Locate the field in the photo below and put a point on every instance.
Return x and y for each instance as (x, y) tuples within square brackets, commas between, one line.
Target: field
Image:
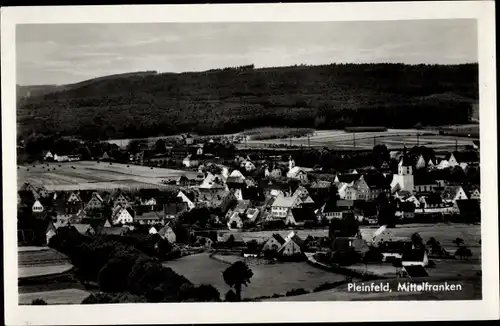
[(276, 133), (392, 138), (93, 175), (267, 280), (66, 296)]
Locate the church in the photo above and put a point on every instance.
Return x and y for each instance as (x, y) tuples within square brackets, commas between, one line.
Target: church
[(404, 179)]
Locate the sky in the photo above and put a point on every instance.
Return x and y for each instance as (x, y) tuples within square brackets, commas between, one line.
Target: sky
[(68, 53)]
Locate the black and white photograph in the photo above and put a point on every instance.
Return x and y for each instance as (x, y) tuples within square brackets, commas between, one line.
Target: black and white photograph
[(236, 162)]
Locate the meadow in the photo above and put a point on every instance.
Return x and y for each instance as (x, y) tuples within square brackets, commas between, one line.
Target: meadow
[(267, 280), (93, 175)]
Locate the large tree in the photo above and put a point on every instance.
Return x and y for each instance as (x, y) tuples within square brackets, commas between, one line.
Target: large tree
[(236, 275)]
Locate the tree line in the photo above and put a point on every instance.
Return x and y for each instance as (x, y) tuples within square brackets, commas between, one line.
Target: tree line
[(231, 100)]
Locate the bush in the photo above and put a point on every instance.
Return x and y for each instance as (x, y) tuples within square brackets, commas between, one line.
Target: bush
[(230, 296), (100, 297), (38, 302), (296, 292)]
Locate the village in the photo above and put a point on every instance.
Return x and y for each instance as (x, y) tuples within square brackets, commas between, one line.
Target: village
[(269, 209)]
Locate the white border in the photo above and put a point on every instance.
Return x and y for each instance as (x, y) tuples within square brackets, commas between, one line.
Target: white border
[(488, 308)]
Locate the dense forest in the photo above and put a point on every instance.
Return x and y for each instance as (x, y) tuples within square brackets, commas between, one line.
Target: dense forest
[(233, 99)]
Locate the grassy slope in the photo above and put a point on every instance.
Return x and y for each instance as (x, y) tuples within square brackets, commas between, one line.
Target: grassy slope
[(148, 104)]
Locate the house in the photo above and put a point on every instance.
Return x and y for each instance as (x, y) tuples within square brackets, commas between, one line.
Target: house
[(282, 205), (454, 193), (182, 181), (475, 193), (432, 201), (149, 218), (273, 244), (114, 230), (414, 271), (297, 173), (221, 200), (150, 203), (377, 184), (252, 214), (235, 221), (107, 224), (320, 187), (332, 210), (168, 233), (420, 163), (381, 235), (406, 210), (424, 183), (346, 243), (463, 158), (274, 172), (37, 207), (212, 183), (236, 174), (415, 257), (301, 216), (84, 229), (188, 199), (191, 161), (348, 178), (242, 206), (48, 156), (117, 198), (443, 164), (122, 215), (304, 196), (172, 207), (152, 230), (249, 165), (50, 232), (293, 246), (95, 202), (181, 152)]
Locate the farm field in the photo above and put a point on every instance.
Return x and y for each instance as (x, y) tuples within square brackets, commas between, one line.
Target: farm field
[(267, 280), (66, 296), (471, 289), (93, 175), (339, 139), (40, 261)]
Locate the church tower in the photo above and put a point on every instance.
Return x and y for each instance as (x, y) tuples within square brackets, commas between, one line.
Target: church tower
[(291, 163), (405, 174)]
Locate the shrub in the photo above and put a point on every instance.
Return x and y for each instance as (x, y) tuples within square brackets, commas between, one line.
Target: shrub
[(230, 296), (38, 302), (100, 297), (296, 292)]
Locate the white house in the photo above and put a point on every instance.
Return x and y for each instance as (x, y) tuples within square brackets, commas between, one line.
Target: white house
[(444, 164), (37, 207), (122, 216), (415, 257), (381, 235), (235, 222), (48, 155), (420, 163), (282, 205), (153, 230), (237, 174), (189, 161), (297, 173)]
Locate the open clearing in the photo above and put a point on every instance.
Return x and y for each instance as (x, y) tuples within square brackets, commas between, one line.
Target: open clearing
[(267, 280), (392, 138), (93, 175), (40, 261)]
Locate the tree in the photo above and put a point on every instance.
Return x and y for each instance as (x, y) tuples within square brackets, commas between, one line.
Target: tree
[(38, 302), (236, 275), (463, 252), (380, 155), (458, 242), (160, 147), (417, 241), (386, 211), (230, 296)]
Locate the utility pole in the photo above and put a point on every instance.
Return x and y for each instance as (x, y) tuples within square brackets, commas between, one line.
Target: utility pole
[(418, 139), (290, 141), (374, 141), (456, 145), (309, 141), (354, 139)]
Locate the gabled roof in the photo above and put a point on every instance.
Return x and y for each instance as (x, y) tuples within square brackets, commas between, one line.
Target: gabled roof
[(348, 178), (343, 203), (238, 180), (414, 255), (151, 215), (114, 230), (164, 230), (424, 179), (433, 199), (416, 271), (321, 184), (82, 228), (278, 238), (376, 181), (465, 157), (283, 201), (451, 192), (302, 214), (242, 205)]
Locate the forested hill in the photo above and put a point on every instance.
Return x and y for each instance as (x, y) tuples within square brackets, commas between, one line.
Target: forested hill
[(232, 99)]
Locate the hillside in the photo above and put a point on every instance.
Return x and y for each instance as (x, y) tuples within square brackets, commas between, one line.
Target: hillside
[(232, 99)]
